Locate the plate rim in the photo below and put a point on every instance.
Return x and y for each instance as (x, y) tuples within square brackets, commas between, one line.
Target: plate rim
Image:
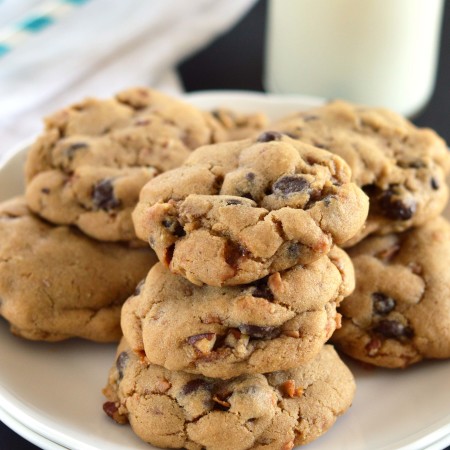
[(27, 433)]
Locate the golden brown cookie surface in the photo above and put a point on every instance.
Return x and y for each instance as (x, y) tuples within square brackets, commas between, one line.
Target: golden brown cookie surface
[(57, 283), (237, 211), (399, 313), (272, 412), (276, 323), (89, 165), (400, 167)]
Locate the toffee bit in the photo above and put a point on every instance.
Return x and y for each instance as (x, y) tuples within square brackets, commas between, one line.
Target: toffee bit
[(288, 388)]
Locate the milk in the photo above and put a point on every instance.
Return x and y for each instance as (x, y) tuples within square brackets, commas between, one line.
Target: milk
[(374, 52)]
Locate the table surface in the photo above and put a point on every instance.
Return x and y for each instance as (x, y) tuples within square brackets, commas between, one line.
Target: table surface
[(235, 61)]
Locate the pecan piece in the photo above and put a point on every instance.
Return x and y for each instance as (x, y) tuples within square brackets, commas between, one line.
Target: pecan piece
[(221, 402), (162, 386), (202, 343), (112, 410)]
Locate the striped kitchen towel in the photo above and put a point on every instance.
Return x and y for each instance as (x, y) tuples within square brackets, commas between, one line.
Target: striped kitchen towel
[(59, 51)]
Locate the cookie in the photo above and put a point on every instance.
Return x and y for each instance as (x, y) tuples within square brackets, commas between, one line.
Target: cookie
[(89, 165), (274, 411), (240, 126), (236, 212), (276, 323), (400, 167), (399, 313), (57, 283)]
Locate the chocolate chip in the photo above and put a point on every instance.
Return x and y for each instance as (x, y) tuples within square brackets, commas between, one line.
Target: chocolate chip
[(269, 136), (418, 164), (320, 145), (394, 208), (72, 149), (370, 190), (310, 117), (293, 250), (290, 184), (262, 290), (434, 184), (393, 329), (397, 210), (382, 304), (258, 332), (247, 195), (121, 363), (103, 195), (233, 253), (195, 385), (217, 184), (45, 190), (250, 176), (174, 227), (233, 202), (327, 200)]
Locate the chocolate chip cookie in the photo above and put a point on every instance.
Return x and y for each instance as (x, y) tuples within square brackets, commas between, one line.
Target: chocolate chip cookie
[(274, 411), (57, 283), (400, 167), (238, 211), (399, 313), (89, 165), (275, 323)]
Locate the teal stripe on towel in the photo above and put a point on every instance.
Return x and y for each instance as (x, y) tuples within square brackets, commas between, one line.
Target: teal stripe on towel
[(76, 2), (36, 24), (4, 49)]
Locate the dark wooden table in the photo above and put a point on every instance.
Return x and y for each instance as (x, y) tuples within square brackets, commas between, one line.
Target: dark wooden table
[(235, 61)]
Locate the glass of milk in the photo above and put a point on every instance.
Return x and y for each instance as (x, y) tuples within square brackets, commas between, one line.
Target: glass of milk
[(373, 52)]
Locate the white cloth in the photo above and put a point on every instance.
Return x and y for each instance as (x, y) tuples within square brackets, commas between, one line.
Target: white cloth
[(100, 48)]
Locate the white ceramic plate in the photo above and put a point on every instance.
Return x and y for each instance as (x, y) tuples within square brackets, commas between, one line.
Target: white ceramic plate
[(54, 390), (27, 433)]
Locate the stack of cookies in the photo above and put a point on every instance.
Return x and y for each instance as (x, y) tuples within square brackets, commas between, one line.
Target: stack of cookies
[(399, 313), (224, 340)]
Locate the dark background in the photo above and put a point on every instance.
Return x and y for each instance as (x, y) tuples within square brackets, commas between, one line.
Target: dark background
[(235, 61)]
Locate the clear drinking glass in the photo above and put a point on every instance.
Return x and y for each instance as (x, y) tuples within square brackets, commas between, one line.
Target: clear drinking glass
[(374, 52)]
